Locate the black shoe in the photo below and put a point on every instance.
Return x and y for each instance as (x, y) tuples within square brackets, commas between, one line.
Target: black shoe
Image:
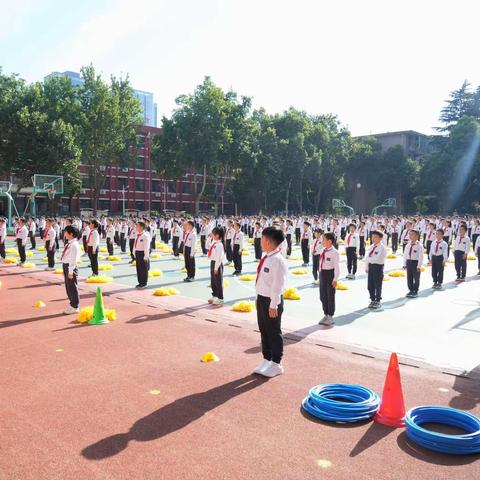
[(414, 294), (372, 304), (409, 294)]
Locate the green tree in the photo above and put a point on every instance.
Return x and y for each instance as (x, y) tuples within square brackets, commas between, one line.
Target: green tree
[(34, 139), (462, 102), (107, 124), (205, 137)]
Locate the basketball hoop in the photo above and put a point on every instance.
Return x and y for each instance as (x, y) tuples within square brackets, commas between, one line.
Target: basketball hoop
[(51, 193)]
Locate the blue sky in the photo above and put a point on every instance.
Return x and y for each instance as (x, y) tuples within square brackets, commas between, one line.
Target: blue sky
[(379, 65)]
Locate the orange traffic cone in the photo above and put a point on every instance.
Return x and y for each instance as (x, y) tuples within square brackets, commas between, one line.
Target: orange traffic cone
[(392, 406)]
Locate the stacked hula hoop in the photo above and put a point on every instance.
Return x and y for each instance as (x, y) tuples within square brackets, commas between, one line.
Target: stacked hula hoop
[(468, 443), (338, 402)]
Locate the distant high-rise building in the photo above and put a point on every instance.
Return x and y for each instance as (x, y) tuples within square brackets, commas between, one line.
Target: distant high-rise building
[(74, 77), (149, 107)]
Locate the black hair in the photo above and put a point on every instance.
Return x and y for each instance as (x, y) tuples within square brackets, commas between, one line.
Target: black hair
[(378, 233), (73, 231), (141, 223), (218, 231), (440, 230), (93, 222), (329, 236), (274, 234)]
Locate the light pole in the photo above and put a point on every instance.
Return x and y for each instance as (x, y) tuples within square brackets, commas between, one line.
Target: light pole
[(123, 198)]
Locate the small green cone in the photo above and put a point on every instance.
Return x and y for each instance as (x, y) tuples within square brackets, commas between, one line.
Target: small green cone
[(99, 317)]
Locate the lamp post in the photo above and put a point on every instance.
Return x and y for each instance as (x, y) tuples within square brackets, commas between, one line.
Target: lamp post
[(123, 198)]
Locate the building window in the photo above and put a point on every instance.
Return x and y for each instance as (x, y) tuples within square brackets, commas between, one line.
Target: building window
[(85, 203), (122, 183), (140, 206), (156, 186), (186, 206), (106, 183), (210, 188), (85, 182), (186, 187), (104, 204), (140, 141), (140, 164), (171, 205), (140, 185), (156, 206), (172, 188)]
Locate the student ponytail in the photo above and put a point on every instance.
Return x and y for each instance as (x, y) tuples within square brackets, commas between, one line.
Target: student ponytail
[(221, 233)]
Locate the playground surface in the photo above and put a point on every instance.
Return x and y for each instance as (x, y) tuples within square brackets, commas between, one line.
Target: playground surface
[(132, 400)]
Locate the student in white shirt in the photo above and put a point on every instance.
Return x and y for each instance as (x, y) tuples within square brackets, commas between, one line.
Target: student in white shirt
[(230, 230), (438, 256), (215, 254), (69, 259), (49, 237), (329, 269), (412, 262), (270, 284), (21, 235), (316, 251), (132, 233), (351, 244), (306, 241), (3, 237), (477, 252), (141, 250), (204, 233), (237, 248), (123, 235), (189, 243), (110, 236), (374, 264), (177, 232), (32, 228), (93, 242), (460, 252), (257, 239)]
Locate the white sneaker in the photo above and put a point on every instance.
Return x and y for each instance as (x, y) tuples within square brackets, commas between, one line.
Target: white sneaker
[(210, 300), (70, 311), (315, 282), (329, 320), (217, 301), (273, 370), (262, 366), (326, 320)]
